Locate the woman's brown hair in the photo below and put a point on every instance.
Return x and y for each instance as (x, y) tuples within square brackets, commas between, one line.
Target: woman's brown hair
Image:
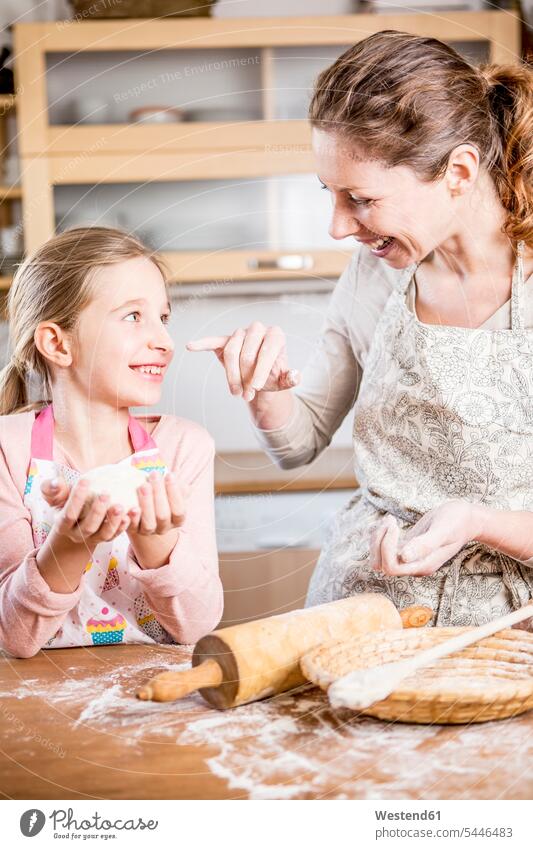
[(56, 284), (410, 100)]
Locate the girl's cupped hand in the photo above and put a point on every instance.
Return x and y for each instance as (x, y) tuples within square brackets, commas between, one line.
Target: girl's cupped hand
[(427, 545), (101, 522), (161, 506), (255, 358)]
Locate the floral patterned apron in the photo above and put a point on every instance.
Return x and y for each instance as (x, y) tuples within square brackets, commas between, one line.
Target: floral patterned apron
[(112, 607), (442, 413)]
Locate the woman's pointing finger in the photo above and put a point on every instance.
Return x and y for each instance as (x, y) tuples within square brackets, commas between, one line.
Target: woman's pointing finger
[(207, 343)]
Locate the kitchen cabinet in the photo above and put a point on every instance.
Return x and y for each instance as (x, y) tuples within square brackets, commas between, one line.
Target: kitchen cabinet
[(264, 583), (271, 524), (242, 86)]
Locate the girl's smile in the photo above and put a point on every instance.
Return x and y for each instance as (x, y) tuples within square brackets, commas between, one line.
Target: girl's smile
[(150, 371)]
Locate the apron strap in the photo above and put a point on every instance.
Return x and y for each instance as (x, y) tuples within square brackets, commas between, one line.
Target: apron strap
[(405, 277), (517, 287), (42, 435), (140, 438), (517, 290), (450, 586)]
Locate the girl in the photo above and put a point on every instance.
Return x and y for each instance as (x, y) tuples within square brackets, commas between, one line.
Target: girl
[(87, 319)]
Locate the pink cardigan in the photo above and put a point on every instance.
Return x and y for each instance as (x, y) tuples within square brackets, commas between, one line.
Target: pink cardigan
[(186, 592)]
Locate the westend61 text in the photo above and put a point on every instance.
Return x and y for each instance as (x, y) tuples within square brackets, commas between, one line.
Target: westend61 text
[(407, 815)]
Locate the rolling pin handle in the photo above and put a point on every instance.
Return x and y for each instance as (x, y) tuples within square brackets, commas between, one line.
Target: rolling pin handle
[(416, 616), (168, 686)]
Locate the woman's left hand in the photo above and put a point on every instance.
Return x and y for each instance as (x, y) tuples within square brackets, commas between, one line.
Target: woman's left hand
[(425, 547), (161, 506)]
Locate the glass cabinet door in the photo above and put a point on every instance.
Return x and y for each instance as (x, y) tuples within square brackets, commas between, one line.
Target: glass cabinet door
[(204, 153), (164, 86), (265, 226)]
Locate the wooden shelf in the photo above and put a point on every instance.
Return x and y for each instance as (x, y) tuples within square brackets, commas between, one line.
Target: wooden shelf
[(222, 265), (96, 140), (56, 155), (195, 33), (168, 166), (239, 472), (10, 193)]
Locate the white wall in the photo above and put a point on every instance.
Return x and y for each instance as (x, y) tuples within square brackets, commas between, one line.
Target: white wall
[(196, 384)]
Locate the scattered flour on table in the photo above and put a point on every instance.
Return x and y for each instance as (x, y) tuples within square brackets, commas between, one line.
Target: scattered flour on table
[(311, 751), (295, 746), (72, 689)]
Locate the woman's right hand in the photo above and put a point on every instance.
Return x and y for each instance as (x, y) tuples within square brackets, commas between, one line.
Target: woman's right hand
[(101, 522), (255, 358)]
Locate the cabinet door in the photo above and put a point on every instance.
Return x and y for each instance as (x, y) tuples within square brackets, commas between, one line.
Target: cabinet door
[(225, 189), (264, 583), (111, 87), (246, 228)]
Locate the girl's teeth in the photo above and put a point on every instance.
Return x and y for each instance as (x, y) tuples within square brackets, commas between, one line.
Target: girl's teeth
[(149, 369)]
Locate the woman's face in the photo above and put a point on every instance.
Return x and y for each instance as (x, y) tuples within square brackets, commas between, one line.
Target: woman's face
[(396, 216), (123, 346)]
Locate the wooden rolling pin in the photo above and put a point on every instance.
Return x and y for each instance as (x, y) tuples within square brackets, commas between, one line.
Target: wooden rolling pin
[(257, 659)]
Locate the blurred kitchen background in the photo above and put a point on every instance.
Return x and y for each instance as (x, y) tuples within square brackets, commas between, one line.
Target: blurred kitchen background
[(253, 245)]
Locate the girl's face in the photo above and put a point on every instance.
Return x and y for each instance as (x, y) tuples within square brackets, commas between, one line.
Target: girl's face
[(123, 346), (396, 216)]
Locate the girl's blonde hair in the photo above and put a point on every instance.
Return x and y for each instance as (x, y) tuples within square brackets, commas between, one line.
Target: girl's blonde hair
[(410, 100), (56, 284)]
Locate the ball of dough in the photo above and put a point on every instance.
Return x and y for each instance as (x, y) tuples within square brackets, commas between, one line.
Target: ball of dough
[(119, 482)]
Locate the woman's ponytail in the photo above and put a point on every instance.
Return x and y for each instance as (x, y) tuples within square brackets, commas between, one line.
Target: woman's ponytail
[(13, 389), (509, 90)]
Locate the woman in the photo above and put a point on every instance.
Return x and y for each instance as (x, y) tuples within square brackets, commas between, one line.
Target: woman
[(429, 162)]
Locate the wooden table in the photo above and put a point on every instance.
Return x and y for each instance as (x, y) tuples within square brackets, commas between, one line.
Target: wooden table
[(72, 729)]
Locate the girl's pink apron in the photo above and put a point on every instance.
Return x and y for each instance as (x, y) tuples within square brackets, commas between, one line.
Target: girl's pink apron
[(112, 607)]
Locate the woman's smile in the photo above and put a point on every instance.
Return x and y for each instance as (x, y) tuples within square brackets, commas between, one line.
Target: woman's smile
[(380, 246)]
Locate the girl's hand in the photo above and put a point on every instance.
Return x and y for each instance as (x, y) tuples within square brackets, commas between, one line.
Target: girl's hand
[(161, 506), (254, 358), (425, 547), (101, 523)]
